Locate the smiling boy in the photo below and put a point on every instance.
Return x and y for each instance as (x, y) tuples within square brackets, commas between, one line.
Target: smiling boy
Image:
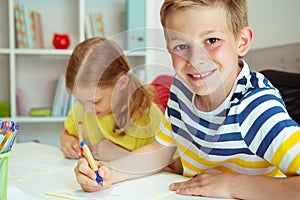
[(229, 124)]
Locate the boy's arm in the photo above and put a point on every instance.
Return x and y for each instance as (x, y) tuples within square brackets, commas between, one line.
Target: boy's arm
[(106, 150), (144, 161), (214, 184), (70, 145), (256, 187)]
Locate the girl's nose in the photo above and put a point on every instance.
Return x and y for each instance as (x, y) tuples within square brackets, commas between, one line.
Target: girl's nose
[(89, 108)]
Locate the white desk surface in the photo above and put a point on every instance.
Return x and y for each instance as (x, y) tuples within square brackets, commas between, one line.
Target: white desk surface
[(36, 169)]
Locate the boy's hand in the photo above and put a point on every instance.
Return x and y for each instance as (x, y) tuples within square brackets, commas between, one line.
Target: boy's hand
[(70, 146), (208, 184), (86, 177)]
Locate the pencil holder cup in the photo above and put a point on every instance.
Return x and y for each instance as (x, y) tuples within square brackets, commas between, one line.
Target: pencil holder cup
[(4, 174)]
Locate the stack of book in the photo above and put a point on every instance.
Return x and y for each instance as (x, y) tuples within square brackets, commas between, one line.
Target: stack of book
[(28, 28)]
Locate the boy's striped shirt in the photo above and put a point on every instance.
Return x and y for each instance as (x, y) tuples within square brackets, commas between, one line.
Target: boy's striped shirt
[(249, 133)]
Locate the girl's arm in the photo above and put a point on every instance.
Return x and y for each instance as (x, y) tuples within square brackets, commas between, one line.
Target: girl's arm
[(144, 161), (70, 145)]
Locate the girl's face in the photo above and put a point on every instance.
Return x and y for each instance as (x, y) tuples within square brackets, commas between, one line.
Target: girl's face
[(96, 101), (203, 49)]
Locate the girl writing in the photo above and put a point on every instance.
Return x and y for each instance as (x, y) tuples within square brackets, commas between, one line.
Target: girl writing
[(117, 112)]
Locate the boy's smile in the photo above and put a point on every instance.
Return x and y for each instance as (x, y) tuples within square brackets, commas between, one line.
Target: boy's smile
[(204, 56)]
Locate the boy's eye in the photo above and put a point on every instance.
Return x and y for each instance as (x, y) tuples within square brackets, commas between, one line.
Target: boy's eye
[(180, 47), (212, 40)]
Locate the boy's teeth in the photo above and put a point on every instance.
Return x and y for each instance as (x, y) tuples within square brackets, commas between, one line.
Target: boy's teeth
[(200, 75)]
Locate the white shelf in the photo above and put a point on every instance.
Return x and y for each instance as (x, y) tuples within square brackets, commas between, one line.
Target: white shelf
[(42, 52), (5, 51), (39, 119), (35, 71)]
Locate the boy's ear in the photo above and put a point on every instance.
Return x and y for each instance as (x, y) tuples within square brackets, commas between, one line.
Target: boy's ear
[(245, 41), (123, 82)]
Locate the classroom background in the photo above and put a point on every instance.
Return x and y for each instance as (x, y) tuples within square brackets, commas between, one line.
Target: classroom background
[(37, 37)]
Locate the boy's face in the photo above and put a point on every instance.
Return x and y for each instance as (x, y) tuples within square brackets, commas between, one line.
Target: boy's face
[(203, 48)]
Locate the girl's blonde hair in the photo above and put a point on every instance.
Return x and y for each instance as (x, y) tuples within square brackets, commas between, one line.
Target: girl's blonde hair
[(236, 11), (100, 62)]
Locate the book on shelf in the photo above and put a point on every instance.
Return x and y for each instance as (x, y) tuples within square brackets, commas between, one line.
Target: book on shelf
[(40, 111), (38, 29), (30, 33), (21, 108), (66, 105), (60, 96), (20, 31), (94, 25), (28, 27), (63, 100)]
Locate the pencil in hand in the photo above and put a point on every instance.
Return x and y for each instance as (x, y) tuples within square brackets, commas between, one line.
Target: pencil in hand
[(88, 154)]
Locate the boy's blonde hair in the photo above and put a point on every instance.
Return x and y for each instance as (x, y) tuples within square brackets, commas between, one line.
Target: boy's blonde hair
[(236, 11), (100, 62)]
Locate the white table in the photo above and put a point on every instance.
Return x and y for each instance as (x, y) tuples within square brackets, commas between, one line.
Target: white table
[(36, 169)]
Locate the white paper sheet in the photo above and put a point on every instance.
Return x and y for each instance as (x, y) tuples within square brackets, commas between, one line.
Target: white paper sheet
[(147, 188)]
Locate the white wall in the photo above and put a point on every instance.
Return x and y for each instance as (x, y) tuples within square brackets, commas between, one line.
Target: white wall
[(158, 59), (275, 22)]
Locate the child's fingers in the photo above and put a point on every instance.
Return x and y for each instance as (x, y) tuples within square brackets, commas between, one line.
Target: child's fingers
[(84, 168), (68, 152), (65, 152), (76, 150), (86, 177), (106, 173), (71, 152)]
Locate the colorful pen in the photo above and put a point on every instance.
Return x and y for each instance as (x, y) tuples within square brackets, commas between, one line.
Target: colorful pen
[(5, 141), (88, 154), (1, 138)]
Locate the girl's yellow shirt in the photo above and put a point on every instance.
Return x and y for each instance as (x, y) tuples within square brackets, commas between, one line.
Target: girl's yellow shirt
[(140, 133)]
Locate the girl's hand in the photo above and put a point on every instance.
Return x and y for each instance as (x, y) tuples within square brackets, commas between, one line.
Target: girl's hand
[(86, 177), (70, 146), (208, 184)]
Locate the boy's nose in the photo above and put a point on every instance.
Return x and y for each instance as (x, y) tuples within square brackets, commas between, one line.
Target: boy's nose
[(199, 57)]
